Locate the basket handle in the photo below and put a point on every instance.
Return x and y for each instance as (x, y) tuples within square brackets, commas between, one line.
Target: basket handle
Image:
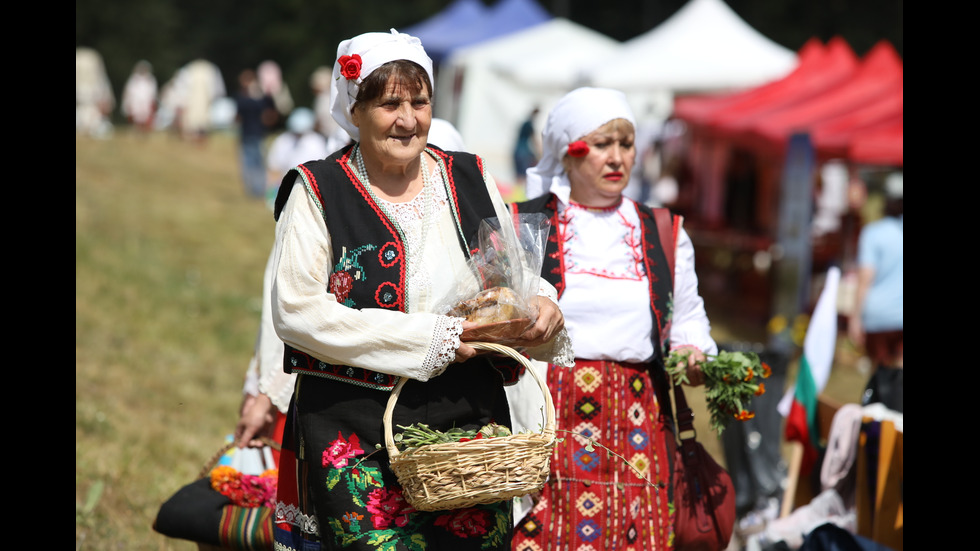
[(549, 406)]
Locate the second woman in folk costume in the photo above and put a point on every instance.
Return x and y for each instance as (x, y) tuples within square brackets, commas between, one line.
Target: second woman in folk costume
[(624, 309)]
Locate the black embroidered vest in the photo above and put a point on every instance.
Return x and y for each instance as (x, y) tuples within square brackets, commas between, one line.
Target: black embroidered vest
[(369, 248)]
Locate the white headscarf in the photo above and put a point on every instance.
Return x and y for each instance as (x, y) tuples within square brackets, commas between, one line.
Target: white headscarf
[(576, 114), (375, 49)]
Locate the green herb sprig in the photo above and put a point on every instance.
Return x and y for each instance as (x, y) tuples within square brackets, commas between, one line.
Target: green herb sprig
[(731, 380), (591, 443), (421, 434)]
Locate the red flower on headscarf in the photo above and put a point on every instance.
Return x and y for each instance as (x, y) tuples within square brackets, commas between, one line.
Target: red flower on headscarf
[(350, 66), (578, 149)]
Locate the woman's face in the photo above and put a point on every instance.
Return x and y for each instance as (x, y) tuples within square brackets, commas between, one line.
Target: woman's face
[(598, 178), (394, 127)]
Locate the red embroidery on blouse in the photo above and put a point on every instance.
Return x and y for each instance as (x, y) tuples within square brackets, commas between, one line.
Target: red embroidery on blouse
[(631, 240), (597, 209)]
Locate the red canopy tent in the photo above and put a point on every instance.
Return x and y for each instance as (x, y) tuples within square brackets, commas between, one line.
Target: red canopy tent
[(873, 91), (821, 68), (832, 95), (881, 145), (697, 109), (717, 128), (832, 139)]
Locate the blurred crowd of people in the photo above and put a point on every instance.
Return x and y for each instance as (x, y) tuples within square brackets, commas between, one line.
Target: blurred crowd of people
[(274, 133)]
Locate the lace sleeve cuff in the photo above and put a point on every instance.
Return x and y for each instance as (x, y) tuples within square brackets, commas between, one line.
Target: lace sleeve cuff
[(559, 351), (444, 345)]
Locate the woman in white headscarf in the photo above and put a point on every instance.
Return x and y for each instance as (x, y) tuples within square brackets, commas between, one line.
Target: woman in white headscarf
[(369, 242), (625, 308)]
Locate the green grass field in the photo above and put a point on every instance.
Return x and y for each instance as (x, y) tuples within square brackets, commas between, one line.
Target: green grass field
[(169, 253)]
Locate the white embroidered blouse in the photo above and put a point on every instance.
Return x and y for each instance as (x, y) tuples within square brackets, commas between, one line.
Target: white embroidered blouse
[(606, 302)]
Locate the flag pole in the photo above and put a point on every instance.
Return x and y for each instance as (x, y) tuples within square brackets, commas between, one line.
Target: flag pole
[(792, 478)]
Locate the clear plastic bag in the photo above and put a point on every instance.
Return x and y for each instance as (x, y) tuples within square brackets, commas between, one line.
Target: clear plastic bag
[(508, 267)]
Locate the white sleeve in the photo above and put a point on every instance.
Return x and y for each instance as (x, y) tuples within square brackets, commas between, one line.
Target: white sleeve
[(689, 324), (251, 386), (273, 381)]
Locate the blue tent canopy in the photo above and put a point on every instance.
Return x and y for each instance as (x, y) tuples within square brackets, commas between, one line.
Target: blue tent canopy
[(460, 13), (462, 24)]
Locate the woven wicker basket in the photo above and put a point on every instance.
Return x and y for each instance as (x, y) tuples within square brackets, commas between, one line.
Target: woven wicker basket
[(463, 474)]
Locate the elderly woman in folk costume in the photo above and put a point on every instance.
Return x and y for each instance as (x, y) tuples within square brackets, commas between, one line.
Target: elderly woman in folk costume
[(625, 310), (368, 242)]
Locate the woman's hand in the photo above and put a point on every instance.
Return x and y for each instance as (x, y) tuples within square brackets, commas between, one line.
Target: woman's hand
[(258, 418), (465, 351), (694, 359), (550, 321)]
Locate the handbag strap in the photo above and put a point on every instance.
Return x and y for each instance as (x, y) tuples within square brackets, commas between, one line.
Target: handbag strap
[(684, 416), (667, 233), (666, 229)]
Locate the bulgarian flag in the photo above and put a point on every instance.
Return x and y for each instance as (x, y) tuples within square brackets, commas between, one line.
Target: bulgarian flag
[(799, 405)]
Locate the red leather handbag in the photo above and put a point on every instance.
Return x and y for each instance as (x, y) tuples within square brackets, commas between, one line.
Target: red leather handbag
[(704, 497)]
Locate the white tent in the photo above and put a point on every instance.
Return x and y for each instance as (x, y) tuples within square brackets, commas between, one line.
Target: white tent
[(703, 47), (488, 90)]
